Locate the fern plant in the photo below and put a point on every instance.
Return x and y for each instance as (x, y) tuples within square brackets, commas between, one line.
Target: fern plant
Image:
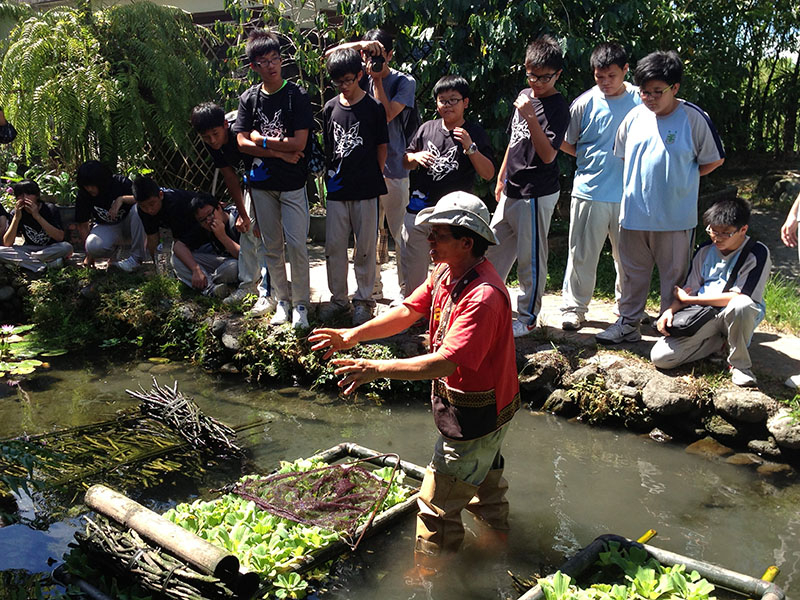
[(80, 85)]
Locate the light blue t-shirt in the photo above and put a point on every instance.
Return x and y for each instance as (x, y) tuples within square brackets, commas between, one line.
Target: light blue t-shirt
[(661, 172), (400, 88), (593, 122)]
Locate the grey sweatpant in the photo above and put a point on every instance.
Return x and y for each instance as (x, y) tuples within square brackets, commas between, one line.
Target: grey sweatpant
[(590, 223), (104, 237), (218, 269), (416, 252), (521, 226), (34, 258), (638, 252), (392, 205), (734, 324), (360, 217), (283, 221)]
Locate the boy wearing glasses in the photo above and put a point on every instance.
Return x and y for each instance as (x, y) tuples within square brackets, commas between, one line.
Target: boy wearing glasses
[(356, 139), (444, 156), (667, 144), (273, 126), (527, 184), (741, 307), (595, 116)]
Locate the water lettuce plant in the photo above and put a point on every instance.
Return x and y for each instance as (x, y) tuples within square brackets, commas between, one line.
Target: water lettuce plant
[(643, 578), (265, 543)]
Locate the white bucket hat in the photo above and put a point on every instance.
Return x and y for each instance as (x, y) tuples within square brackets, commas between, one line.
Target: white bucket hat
[(460, 209)]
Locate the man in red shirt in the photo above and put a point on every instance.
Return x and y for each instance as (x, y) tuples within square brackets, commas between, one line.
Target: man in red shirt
[(472, 363)]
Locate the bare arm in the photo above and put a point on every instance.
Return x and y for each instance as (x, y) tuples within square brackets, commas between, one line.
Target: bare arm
[(11, 233), (181, 250), (708, 167), (248, 146), (152, 245), (381, 153), (392, 107), (789, 227), (296, 143), (571, 149), (234, 188), (359, 371), (501, 178)]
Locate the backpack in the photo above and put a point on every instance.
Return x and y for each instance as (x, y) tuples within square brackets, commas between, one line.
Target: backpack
[(316, 157)]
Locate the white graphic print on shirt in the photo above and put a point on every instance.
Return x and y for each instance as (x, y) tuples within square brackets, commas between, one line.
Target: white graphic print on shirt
[(443, 164), (519, 130), (346, 141), (37, 238), (106, 216), (270, 127)]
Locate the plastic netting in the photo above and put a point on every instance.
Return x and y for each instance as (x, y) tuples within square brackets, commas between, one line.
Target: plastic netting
[(338, 497)]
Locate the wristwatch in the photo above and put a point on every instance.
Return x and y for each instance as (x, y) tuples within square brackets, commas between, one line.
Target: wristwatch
[(473, 148)]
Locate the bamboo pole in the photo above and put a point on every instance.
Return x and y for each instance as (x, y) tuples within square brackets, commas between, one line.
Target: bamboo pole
[(178, 541)]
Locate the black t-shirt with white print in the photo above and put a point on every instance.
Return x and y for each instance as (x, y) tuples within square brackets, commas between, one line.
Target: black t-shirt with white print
[(97, 207), (352, 136), (527, 176), (33, 232), (275, 115), (176, 215), (451, 170)]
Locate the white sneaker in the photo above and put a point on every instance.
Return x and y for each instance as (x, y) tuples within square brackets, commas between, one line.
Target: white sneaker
[(743, 377), (300, 317), (571, 321), (619, 332), (793, 382), (281, 315), (238, 295), (129, 265), (263, 305), (519, 328), (55, 264), (361, 314)]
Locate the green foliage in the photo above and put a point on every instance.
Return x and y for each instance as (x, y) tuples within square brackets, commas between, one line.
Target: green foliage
[(18, 351), (642, 578), (783, 303), (80, 85), (263, 542), (600, 405)]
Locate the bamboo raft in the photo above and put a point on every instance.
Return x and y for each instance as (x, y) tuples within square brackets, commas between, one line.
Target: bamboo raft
[(132, 541)]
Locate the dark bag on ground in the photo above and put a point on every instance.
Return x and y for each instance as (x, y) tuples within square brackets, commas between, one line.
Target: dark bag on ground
[(688, 320)]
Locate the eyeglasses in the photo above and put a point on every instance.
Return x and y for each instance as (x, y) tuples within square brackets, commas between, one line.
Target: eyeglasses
[(533, 78), (207, 218), (655, 94), (347, 81), (720, 235), (448, 101), (267, 62)]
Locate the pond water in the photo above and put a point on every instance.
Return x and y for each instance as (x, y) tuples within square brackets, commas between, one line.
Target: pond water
[(569, 483)]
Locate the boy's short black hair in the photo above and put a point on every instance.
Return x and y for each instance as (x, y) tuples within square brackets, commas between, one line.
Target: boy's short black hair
[(261, 42), (479, 243), (206, 116), (26, 186), (660, 65), (544, 51), (451, 83), (202, 200), (606, 54), (93, 172), (382, 36), (344, 61), (144, 188), (727, 213)]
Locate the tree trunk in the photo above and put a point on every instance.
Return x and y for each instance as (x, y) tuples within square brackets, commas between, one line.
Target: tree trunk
[(790, 110)]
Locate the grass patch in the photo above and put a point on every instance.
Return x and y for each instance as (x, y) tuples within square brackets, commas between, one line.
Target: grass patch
[(783, 303)]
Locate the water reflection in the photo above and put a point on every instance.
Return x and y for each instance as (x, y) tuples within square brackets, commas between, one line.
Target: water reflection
[(569, 483)]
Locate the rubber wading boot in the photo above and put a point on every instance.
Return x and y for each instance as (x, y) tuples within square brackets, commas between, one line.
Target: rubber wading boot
[(441, 500), (489, 504)]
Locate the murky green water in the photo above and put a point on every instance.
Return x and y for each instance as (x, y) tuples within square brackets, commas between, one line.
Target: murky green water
[(569, 483)]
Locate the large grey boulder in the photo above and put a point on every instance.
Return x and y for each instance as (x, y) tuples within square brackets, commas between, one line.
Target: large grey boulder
[(665, 396), (785, 428), (745, 406)]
